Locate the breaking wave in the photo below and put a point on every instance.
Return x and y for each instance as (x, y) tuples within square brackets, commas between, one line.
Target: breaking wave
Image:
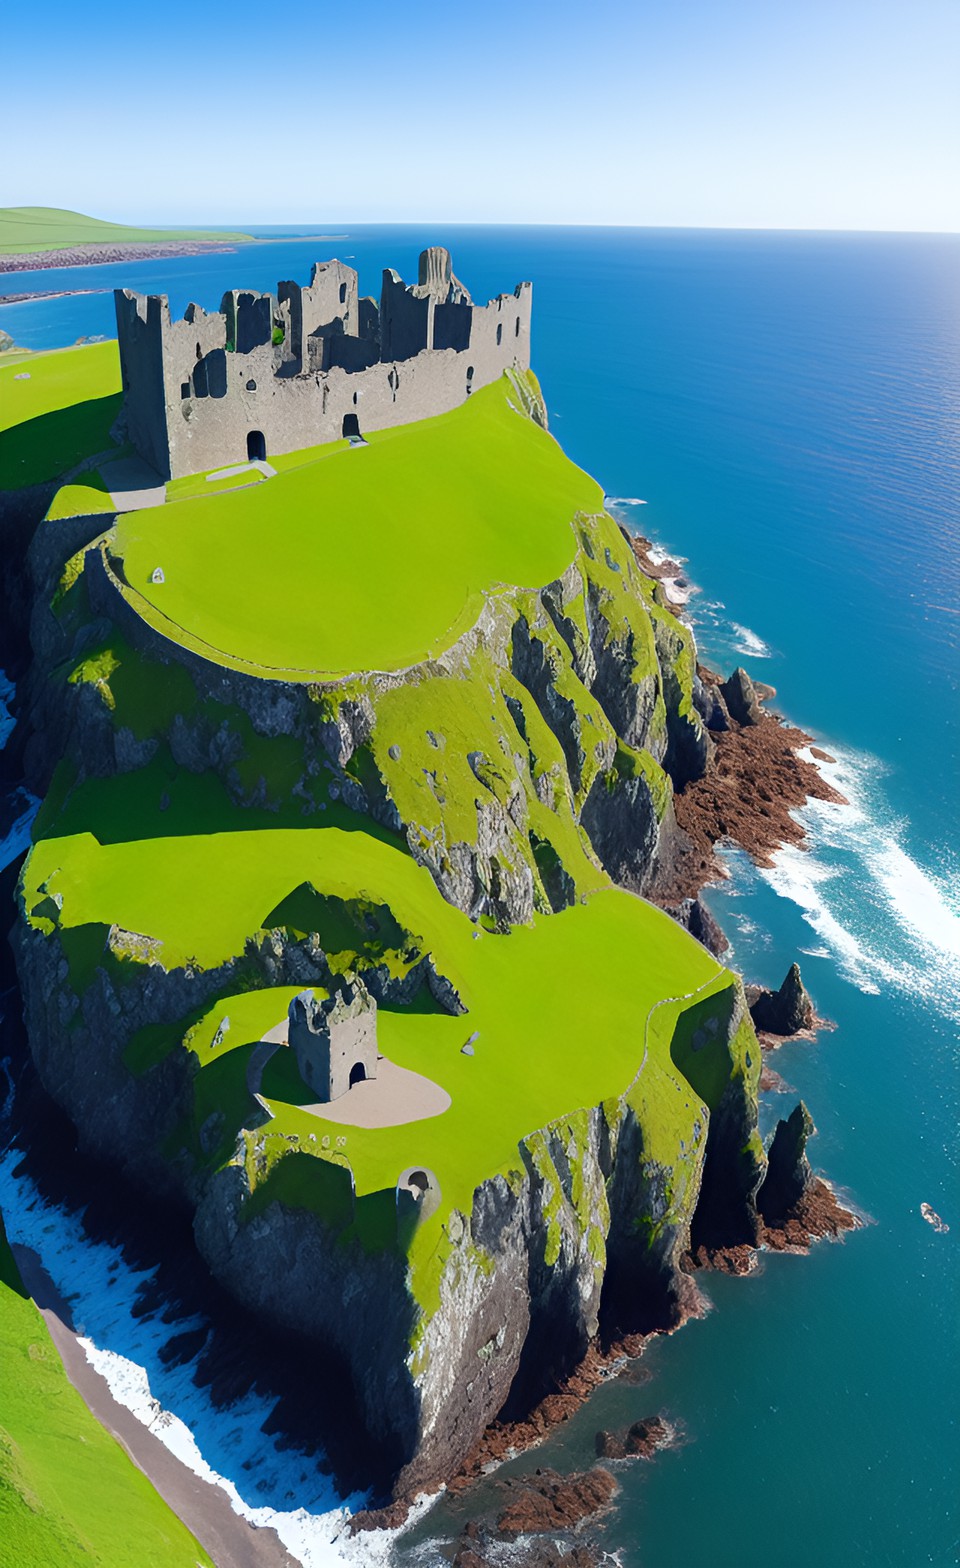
[(749, 643), (885, 920), (265, 1482), (623, 500)]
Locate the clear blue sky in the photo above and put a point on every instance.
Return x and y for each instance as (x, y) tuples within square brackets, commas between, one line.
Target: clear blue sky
[(759, 113)]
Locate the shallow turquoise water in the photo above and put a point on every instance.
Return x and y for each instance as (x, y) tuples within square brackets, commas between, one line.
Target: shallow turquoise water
[(788, 408)]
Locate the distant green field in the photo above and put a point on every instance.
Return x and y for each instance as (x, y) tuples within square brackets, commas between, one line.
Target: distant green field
[(364, 558), (57, 228), (69, 1495), (60, 415)]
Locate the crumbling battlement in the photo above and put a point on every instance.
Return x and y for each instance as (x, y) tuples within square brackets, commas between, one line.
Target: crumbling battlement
[(273, 373)]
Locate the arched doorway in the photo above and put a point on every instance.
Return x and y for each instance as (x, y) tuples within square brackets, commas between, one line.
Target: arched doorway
[(351, 426), (256, 447), (357, 1074)]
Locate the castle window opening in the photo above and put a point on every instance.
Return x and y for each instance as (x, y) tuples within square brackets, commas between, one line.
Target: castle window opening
[(419, 1180), (343, 293), (199, 352), (358, 1074), (251, 385), (355, 400), (517, 331), (184, 390), (499, 333), (351, 426), (256, 447), (469, 379)]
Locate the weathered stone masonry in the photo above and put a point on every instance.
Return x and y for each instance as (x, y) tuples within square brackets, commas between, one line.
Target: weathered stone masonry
[(271, 374)]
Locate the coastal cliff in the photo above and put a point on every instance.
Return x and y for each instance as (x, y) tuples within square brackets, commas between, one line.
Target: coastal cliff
[(468, 834)]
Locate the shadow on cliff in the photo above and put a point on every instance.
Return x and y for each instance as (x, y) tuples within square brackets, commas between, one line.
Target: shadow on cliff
[(166, 800), (306, 1390)]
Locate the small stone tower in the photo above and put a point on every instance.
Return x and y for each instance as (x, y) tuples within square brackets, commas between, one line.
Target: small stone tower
[(335, 1040)]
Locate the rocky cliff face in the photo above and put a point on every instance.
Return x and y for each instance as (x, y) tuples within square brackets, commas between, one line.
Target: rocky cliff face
[(590, 683), (589, 1228), (525, 767), (586, 1229)]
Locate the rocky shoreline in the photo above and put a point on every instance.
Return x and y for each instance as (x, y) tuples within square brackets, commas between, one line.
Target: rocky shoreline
[(34, 294), (104, 255), (755, 777)]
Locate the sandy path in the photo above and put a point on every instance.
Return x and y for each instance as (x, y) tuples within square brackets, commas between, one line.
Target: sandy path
[(394, 1097), (204, 1508)]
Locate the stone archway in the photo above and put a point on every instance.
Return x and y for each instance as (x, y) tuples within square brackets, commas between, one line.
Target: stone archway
[(256, 447)]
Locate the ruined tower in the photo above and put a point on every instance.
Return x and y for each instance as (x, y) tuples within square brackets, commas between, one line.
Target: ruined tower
[(335, 1040)]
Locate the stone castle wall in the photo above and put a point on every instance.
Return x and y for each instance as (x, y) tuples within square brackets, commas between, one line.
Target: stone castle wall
[(215, 388)]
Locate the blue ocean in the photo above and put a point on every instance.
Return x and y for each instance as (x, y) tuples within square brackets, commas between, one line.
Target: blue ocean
[(781, 411)]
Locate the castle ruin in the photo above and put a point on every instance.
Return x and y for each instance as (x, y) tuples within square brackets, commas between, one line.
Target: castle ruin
[(335, 1041), (272, 374)]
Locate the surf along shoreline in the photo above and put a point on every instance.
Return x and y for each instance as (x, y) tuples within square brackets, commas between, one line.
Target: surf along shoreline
[(201, 1505)]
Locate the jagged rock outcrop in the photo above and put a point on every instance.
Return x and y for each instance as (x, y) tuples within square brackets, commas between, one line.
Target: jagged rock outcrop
[(740, 696), (695, 917), (709, 703), (788, 1011), (620, 818), (789, 1175), (551, 1502), (641, 1440)]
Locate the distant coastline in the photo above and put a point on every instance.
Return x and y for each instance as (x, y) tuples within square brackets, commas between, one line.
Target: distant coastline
[(99, 255), (37, 294), (105, 255)]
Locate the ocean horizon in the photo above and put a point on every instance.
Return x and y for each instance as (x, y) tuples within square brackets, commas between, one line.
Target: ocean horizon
[(780, 411)]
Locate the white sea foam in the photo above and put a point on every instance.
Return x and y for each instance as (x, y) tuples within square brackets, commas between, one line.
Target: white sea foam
[(281, 1489), (623, 500), (658, 555), (17, 836), (880, 915), (7, 721), (749, 643)]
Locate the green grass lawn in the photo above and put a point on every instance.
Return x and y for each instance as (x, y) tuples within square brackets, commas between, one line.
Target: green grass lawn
[(86, 496), (69, 1495), (62, 415), (532, 995), (236, 880), (57, 228), (365, 558)]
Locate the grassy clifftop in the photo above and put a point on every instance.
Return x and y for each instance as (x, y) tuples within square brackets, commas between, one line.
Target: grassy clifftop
[(196, 900), (24, 229), (364, 558), (56, 410)]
